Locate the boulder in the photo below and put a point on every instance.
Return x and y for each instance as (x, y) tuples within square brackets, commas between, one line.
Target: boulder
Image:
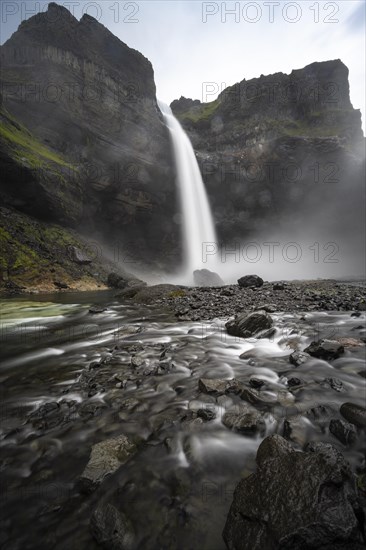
[(345, 432), (250, 281), (206, 414), (252, 395), (245, 420), (105, 458), (111, 528), (325, 349), (205, 277), (278, 286), (297, 358), (246, 325), (216, 386), (354, 414), (78, 256), (335, 383), (295, 501), (116, 281)]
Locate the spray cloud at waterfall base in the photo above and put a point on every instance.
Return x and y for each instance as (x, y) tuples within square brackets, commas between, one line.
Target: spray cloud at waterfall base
[(314, 245)]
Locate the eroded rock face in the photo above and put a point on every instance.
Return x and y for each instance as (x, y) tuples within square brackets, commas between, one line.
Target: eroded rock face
[(263, 133), (95, 110), (295, 500)]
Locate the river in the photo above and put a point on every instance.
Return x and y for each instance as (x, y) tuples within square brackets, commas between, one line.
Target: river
[(178, 487)]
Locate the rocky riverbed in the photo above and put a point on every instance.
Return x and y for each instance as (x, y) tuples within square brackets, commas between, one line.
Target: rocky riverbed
[(201, 303), (126, 426)]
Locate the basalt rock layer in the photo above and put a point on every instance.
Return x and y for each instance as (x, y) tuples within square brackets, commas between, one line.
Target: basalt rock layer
[(280, 148), (82, 140)]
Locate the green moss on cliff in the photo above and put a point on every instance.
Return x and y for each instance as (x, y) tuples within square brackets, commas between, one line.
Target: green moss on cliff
[(17, 259), (25, 145), (200, 112)]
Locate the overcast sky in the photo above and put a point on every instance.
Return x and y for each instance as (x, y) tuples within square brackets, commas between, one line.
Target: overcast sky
[(191, 43)]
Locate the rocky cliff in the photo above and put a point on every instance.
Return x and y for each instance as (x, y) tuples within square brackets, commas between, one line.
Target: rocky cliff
[(83, 143), (279, 147)]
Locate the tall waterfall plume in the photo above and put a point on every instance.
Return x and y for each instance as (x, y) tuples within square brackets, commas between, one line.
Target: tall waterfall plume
[(198, 228)]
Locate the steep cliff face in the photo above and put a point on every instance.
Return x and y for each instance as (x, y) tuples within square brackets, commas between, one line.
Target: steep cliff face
[(279, 147), (80, 123)]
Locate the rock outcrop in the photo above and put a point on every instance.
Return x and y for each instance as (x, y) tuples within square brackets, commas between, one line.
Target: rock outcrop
[(82, 140), (280, 148), (296, 500)]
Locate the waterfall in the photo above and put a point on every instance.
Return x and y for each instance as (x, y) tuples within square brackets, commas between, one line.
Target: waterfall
[(198, 227)]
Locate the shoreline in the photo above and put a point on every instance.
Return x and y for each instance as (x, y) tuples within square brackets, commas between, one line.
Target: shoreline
[(205, 303)]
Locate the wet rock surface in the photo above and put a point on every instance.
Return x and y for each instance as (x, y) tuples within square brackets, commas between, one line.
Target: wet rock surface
[(354, 414), (295, 500), (244, 419), (325, 349), (111, 529), (246, 325), (105, 458), (344, 431)]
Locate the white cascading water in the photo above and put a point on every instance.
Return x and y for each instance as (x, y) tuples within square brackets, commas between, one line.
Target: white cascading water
[(198, 227)]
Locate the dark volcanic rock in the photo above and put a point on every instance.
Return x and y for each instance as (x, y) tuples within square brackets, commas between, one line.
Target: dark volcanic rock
[(205, 277), (206, 414), (216, 386), (335, 383), (325, 349), (297, 358), (354, 414), (111, 529), (263, 133), (116, 281), (78, 256), (105, 458), (247, 325), (250, 281), (344, 431), (278, 286), (245, 420), (256, 383), (295, 500), (294, 382), (107, 162)]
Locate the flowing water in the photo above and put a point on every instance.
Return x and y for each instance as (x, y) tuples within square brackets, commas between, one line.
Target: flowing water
[(178, 487), (198, 228)]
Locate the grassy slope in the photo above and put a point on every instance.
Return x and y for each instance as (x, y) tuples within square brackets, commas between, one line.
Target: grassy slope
[(24, 146), (317, 124), (34, 255)]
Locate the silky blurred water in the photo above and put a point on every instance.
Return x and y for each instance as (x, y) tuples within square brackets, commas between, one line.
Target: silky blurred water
[(178, 487)]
